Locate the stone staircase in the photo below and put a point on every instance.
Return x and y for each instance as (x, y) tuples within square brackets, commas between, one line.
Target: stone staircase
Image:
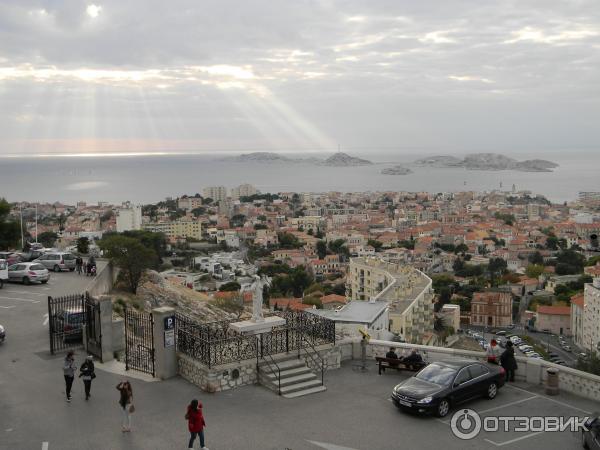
[(297, 379)]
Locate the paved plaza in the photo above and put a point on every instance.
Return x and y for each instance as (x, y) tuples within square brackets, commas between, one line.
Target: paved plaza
[(354, 413)]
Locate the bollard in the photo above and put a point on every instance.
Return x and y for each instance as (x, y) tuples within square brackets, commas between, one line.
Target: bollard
[(552, 381)]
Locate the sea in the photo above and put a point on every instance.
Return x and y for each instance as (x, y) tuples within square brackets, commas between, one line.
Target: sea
[(151, 178)]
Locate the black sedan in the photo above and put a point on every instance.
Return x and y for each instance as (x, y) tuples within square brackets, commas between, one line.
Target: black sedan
[(591, 436), (442, 384)]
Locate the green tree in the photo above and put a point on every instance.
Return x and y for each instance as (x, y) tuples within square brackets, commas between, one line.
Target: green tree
[(47, 238), (536, 258), (375, 244), (199, 211), (496, 266), (131, 256), (238, 220), (230, 286), (461, 248), (10, 231), (338, 247), (534, 270), (83, 245), (321, 249), (569, 262), (316, 301), (288, 240)]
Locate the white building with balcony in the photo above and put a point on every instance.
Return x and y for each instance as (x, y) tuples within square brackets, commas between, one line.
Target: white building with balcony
[(129, 218)]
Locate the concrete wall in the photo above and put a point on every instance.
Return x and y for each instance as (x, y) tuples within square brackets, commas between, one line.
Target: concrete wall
[(530, 370), (104, 281)]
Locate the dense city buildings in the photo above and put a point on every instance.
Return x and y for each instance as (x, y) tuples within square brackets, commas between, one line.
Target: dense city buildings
[(491, 309)]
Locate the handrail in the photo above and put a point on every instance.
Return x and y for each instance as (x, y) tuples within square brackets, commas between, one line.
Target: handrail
[(273, 371), (314, 359)]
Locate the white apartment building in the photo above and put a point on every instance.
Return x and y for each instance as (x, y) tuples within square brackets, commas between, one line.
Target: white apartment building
[(407, 291), (243, 190), (177, 229), (189, 203), (129, 218), (591, 316), (217, 193)]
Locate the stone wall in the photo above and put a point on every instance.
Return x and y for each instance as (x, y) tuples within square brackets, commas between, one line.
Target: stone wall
[(530, 370), (220, 378), (331, 355)]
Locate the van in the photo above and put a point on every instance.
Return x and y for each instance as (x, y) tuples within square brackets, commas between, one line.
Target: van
[(57, 261)]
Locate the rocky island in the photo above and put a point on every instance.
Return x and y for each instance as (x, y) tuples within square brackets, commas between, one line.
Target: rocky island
[(488, 161), (396, 170), (338, 159)]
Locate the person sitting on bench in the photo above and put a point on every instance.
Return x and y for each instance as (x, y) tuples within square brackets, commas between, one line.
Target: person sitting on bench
[(414, 357), (391, 354)]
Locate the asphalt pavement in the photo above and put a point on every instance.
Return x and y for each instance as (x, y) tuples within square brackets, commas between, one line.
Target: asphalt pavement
[(355, 413)]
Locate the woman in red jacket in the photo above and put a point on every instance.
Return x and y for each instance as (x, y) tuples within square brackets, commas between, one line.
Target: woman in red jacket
[(195, 423)]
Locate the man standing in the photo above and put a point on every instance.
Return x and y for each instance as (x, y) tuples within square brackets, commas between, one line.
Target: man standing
[(86, 371), (69, 369), (79, 264), (508, 361)]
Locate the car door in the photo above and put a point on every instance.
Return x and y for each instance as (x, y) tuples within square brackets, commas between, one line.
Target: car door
[(15, 271), (480, 379), (461, 386)]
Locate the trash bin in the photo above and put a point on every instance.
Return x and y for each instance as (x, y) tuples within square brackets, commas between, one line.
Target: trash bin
[(552, 381)]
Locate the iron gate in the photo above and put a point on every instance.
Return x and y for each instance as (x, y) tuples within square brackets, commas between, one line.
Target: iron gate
[(93, 327), (139, 341), (66, 318)]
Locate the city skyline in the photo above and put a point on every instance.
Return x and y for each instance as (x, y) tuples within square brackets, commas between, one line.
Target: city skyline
[(98, 77)]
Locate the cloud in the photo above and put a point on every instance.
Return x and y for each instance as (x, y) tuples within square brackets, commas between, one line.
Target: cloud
[(300, 74)]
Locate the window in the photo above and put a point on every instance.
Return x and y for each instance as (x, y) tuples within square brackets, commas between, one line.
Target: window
[(478, 370), (463, 376)]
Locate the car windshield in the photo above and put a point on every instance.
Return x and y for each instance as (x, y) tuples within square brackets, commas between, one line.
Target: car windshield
[(437, 374), (36, 267)]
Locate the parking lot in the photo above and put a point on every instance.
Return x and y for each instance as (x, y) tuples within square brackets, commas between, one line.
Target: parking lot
[(355, 413)]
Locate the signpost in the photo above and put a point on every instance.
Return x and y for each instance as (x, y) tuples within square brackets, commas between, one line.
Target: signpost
[(169, 327)]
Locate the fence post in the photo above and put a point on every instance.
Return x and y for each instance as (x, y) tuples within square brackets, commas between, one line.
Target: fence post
[(287, 340), (50, 325), (126, 338)]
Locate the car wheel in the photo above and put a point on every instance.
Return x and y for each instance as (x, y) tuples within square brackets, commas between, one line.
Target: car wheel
[(492, 391), (57, 268), (44, 282), (71, 269), (26, 280), (1, 284), (443, 408)]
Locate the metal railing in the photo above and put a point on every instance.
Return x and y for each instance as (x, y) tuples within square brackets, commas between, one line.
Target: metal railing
[(316, 358), (270, 362)]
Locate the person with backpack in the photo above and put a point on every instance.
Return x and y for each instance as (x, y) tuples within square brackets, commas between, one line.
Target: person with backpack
[(196, 423), (69, 369), (86, 371)]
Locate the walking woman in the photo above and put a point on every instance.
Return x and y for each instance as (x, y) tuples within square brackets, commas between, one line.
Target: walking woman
[(69, 369), (508, 361), (195, 423), (126, 403), (86, 371)]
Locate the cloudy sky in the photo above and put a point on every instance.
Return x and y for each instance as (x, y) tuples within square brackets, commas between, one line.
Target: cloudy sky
[(299, 75)]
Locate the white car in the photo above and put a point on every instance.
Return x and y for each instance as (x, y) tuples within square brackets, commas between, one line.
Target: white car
[(535, 355)]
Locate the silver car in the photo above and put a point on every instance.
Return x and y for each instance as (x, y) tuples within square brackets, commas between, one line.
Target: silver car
[(57, 261), (28, 273)]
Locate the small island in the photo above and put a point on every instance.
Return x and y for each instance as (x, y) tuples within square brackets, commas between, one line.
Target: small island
[(396, 170), (488, 161), (338, 159), (341, 159)]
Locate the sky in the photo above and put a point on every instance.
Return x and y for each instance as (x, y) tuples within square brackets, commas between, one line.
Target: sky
[(384, 76)]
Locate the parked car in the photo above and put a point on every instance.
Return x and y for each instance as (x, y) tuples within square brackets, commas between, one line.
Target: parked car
[(57, 261), (440, 385), (3, 272), (30, 255), (27, 272), (2, 334), (566, 348), (501, 333), (590, 436), (70, 323)]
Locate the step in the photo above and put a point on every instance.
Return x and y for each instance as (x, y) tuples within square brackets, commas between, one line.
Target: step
[(291, 380), (287, 373), (284, 365), (300, 386), (304, 392)]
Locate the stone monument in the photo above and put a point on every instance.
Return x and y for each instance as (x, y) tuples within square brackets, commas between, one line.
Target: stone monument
[(258, 324)]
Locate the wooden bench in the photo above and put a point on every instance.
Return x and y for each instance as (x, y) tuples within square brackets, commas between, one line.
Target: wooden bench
[(398, 364)]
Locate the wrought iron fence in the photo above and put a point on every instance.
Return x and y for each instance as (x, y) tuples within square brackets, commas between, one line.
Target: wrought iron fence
[(213, 344)]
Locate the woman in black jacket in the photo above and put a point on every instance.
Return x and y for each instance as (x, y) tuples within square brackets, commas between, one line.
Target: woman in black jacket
[(86, 371), (508, 361)]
